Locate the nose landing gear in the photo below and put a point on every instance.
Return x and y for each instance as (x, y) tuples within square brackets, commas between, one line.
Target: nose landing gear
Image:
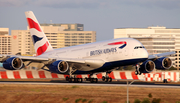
[(137, 72)]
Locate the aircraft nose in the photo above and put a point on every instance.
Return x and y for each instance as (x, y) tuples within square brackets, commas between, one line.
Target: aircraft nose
[(145, 54)]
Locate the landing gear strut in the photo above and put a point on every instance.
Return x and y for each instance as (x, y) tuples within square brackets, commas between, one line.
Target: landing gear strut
[(106, 78), (137, 72), (74, 79)]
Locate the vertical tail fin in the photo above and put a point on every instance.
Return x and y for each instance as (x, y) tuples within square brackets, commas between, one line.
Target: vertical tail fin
[(41, 43)]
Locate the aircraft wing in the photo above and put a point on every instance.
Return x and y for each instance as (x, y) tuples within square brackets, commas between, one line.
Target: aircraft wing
[(24, 58), (93, 63), (155, 56)]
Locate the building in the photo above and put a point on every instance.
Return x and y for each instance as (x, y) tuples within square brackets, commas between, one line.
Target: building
[(155, 39), (5, 41), (22, 42), (64, 35), (59, 35), (66, 27)]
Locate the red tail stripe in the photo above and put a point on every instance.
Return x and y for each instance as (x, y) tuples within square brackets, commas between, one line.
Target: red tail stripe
[(42, 49), (29, 74), (33, 24), (16, 75)]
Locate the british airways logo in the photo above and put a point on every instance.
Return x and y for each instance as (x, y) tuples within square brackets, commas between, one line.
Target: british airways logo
[(40, 48), (109, 50), (35, 38), (118, 43)]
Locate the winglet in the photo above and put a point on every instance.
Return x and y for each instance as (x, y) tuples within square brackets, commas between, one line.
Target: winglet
[(41, 43)]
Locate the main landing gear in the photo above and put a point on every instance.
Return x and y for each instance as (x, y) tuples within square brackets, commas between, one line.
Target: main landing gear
[(92, 80), (80, 80), (74, 79), (137, 72), (106, 78)]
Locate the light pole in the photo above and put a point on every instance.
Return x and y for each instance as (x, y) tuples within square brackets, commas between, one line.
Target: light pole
[(128, 89)]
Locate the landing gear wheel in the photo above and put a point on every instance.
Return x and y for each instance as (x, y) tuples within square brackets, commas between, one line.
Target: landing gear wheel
[(67, 78), (106, 80), (75, 80), (103, 78), (136, 72), (80, 80), (165, 81), (110, 79), (86, 79), (70, 80), (95, 80), (92, 80)]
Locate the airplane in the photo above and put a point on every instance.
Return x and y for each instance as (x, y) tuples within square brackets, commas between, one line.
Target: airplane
[(89, 58)]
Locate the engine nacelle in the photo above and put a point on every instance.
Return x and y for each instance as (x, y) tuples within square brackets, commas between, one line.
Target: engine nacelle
[(147, 67), (13, 63), (163, 63), (59, 67)]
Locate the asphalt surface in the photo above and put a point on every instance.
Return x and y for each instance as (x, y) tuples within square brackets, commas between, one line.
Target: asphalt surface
[(100, 83)]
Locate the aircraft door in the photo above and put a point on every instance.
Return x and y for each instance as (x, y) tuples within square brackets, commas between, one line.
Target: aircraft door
[(133, 54), (126, 51)]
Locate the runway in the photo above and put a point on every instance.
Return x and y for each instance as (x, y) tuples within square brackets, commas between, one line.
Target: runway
[(57, 82)]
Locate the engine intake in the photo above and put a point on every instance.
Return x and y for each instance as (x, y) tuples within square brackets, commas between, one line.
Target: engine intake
[(163, 63), (59, 67), (147, 67), (13, 63)]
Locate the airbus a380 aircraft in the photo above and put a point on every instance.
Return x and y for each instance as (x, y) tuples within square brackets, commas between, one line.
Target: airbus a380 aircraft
[(87, 58)]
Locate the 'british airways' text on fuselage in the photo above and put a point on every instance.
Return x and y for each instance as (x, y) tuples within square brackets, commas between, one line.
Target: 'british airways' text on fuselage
[(103, 51)]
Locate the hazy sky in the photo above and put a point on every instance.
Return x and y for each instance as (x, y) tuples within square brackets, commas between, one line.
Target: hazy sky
[(102, 16)]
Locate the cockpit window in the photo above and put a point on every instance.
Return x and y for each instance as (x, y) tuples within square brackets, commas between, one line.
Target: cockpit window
[(137, 47)]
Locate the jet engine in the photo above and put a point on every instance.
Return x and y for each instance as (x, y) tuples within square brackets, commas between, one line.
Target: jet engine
[(59, 67), (163, 63), (13, 63), (147, 67)]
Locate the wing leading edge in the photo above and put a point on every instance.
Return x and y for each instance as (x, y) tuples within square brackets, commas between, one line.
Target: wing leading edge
[(156, 56), (91, 63)]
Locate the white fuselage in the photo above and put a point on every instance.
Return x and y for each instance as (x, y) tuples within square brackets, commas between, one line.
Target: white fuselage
[(101, 50)]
